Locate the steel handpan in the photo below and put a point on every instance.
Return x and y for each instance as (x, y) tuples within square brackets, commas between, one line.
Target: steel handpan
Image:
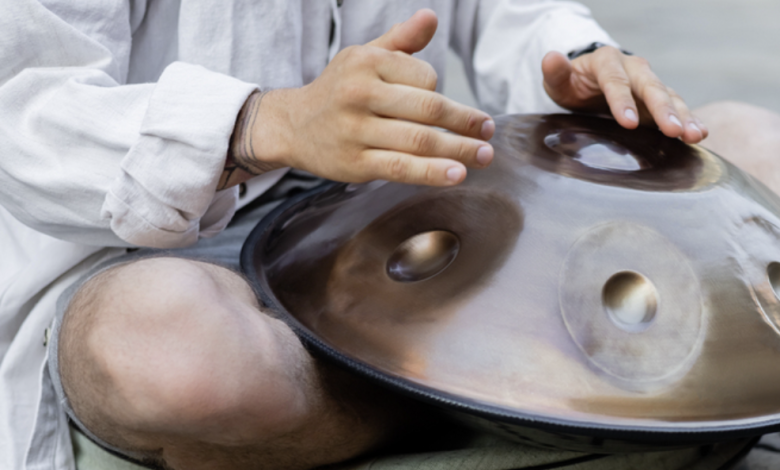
[(595, 288)]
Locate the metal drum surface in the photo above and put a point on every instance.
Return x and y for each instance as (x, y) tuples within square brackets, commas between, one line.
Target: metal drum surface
[(595, 288)]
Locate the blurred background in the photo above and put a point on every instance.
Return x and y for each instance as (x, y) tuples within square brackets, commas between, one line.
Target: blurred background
[(707, 50)]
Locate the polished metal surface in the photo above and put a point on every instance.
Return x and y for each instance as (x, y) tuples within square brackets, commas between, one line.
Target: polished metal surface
[(592, 281), (423, 256)]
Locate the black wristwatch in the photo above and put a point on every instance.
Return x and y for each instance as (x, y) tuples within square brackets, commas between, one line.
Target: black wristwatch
[(590, 48)]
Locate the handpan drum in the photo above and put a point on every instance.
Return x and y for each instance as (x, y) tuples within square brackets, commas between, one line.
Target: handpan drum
[(595, 288)]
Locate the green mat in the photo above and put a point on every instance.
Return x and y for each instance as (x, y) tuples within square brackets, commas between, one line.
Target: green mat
[(490, 453)]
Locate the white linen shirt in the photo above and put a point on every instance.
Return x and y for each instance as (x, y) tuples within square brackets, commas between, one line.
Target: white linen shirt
[(115, 117)]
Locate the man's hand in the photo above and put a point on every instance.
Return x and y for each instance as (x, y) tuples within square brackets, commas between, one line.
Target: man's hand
[(368, 116), (608, 80)]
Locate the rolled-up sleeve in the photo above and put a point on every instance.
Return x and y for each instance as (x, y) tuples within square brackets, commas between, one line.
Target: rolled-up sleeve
[(91, 159), (502, 44)]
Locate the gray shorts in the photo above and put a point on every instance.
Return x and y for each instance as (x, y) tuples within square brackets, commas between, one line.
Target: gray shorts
[(223, 250)]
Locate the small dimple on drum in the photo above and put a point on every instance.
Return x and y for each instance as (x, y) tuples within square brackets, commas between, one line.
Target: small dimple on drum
[(630, 300), (423, 256), (773, 273), (595, 151)]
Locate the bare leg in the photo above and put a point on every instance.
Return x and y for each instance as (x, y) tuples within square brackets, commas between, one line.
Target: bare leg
[(747, 136), (175, 359)]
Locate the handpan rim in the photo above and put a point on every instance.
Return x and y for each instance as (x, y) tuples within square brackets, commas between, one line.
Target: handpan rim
[(662, 436)]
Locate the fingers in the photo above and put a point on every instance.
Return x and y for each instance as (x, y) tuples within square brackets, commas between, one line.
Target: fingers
[(616, 85), (630, 88), (403, 69), (655, 95), (416, 139), (666, 107), (427, 107), (404, 168), (692, 133), (410, 36)]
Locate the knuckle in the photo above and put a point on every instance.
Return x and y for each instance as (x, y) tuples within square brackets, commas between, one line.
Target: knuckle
[(429, 174), (471, 124), (432, 107), (422, 141), (350, 53), (397, 168), (354, 126), (464, 150), (639, 62), (674, 94), (616, 80), (657, 88), (362, 55), (352, 91), (429, 78)]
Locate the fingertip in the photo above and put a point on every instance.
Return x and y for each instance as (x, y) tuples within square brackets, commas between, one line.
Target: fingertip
[(411, 35), (672, 127), (702, 127), (693, 134), (631, 119), (485, 155), (425, 22), (426, 13), (455, 174), (488, 129)]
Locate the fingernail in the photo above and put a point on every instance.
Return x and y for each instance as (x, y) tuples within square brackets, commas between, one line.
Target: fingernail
[(485, 155), (675, 121), (695, 128), (700, 124), (631, 115), (488, 128), (454, 174)]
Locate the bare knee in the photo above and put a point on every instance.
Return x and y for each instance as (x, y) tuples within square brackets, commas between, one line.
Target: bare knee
[(746, 135), (735, 125), (166, 346)]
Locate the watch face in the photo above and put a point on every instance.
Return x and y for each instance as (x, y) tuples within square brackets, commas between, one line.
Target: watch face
[(594, 288)]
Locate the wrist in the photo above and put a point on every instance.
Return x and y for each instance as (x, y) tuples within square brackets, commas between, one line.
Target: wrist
[(258, 144)]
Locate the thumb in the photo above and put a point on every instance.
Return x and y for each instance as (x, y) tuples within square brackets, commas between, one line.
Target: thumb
[(410, 36), (556, 69)]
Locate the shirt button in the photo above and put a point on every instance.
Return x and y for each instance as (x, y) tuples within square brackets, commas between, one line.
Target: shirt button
[(242, 190)]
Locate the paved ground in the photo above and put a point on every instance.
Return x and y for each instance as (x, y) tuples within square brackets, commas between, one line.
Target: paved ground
[(707, 50)]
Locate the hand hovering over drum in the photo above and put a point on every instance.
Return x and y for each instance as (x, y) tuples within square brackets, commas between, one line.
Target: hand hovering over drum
[(367, 116), (607, 80)]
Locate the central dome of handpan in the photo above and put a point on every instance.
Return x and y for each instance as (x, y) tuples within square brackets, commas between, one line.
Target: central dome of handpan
[(594, 288)]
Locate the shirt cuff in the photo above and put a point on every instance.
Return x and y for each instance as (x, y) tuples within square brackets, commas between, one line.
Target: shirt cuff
[(166, 194), (508, 55)]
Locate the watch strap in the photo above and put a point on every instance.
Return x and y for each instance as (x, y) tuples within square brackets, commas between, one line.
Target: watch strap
[(590, 48)]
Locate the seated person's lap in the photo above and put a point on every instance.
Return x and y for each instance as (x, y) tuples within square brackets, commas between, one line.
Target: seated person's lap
[(166, 357)]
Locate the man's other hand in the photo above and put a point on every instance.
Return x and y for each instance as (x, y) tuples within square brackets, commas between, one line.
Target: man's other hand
[(608, 80), (368, 116)]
